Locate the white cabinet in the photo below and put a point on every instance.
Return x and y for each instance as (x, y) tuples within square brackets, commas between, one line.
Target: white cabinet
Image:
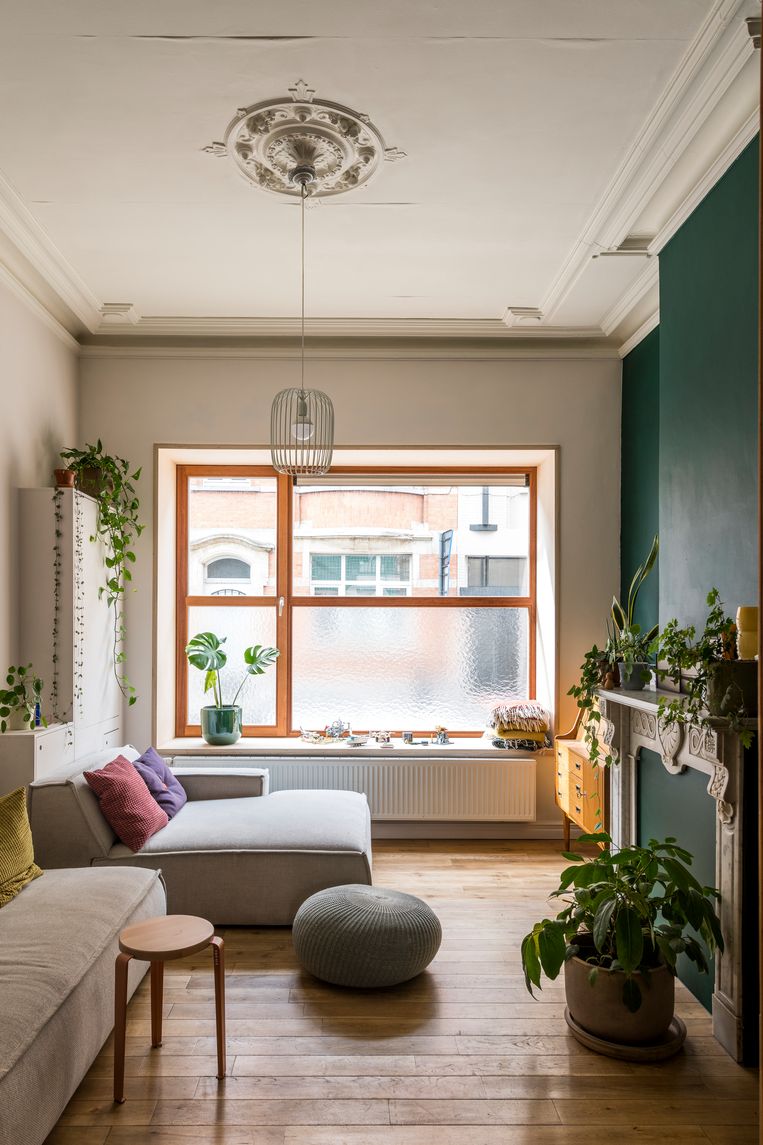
[(88, 693), (29, 755)]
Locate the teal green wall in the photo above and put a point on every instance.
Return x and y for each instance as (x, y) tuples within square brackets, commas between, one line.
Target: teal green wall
[(689, 450), (708, 400), (639, 486), (659, 793)]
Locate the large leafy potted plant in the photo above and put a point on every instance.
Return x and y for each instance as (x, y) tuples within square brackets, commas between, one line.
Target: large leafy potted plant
[(712, 681), (627, 916), (220, 722), (108, 479)]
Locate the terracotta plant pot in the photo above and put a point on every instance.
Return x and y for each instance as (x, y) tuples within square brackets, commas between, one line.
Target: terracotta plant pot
[(221, 727), (64, 478), (599, 1008)]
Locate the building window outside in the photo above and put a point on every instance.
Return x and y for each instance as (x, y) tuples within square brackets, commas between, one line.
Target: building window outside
[(354, 575), (390, 608)]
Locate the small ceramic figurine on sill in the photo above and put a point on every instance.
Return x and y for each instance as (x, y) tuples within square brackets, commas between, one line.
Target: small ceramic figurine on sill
[(441, 735)]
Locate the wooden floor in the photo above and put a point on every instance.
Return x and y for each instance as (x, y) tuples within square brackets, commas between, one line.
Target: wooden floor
[(461, 1056)]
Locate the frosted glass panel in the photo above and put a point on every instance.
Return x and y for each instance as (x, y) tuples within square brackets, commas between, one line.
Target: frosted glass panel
[(242, 627), (406, 668)]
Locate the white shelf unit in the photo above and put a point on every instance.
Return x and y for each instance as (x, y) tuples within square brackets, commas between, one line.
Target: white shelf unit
[(88, 693), (29, 755)]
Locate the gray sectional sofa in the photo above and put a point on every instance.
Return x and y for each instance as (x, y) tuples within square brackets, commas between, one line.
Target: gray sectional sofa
[(58, 943), (233, 854)]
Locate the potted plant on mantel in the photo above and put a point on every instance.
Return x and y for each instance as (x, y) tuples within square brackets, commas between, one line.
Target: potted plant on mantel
[(629, 646), (713, 682), (107, 478), (626, 919), (221, 723)]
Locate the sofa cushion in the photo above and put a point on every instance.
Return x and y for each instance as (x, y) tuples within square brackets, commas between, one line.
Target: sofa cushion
[(160, 781), (17, 865), (50, 935), (126, 802), (282, 821)]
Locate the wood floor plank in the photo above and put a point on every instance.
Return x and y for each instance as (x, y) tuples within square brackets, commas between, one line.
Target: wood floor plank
[(462, 1055)]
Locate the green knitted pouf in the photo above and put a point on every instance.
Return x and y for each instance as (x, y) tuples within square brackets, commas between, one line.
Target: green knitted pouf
[(365, 936)]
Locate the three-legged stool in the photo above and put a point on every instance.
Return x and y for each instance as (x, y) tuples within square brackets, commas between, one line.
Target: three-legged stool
[(160, 940)]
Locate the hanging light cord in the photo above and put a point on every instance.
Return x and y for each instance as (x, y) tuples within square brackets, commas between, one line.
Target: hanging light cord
[(303, 194)]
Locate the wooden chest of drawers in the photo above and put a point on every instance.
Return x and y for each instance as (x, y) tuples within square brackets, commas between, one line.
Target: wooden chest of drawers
[(581, 788)]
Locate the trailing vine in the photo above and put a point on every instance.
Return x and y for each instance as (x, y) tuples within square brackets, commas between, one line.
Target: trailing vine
[(592, 669), (54, 689), (108, 479), (79, 607)]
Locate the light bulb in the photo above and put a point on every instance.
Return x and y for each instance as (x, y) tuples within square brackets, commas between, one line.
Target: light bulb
[(302, 430)]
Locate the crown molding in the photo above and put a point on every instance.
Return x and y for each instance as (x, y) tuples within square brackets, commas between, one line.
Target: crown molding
[(17, 288), (715, 171), (392, 352), (240, 327), (23, 230), (651, 323), (645, 281), (715, 57)]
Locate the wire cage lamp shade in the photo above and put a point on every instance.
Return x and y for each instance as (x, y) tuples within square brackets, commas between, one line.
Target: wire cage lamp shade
[(301, 432)]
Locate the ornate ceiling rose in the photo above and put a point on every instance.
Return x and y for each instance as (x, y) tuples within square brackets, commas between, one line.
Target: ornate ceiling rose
[(268, 140)]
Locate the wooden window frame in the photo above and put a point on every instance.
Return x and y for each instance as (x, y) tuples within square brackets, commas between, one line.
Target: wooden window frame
[(284, 583)]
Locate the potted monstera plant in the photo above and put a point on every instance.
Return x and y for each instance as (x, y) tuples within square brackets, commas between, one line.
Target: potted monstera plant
[(627, 916), (221, 722)]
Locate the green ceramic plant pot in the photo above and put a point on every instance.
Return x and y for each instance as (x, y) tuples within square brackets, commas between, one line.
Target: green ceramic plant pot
[(636, 679), (221, 727)]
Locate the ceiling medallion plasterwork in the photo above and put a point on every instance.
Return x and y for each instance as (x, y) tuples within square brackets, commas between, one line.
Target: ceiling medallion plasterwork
[(268, 140)]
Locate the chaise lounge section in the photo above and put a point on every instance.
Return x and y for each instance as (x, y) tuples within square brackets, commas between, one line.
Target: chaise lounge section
[(233, 854), (58, 940)]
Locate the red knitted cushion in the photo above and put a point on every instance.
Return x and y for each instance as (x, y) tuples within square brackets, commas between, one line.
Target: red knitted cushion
[(126, 803)]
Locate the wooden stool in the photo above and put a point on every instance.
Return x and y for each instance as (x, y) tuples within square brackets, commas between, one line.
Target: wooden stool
[(160, 940)]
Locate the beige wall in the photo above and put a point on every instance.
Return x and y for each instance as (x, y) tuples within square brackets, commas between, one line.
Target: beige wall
[(133, 402), (38, 417)]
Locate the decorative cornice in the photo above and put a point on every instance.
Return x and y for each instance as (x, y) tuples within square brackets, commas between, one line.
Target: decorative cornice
[(239, 327), (651, 323), (116, 315), (714, 59), (715, 171), (20, 291), (641, 285), (21, 227), (395, 351)]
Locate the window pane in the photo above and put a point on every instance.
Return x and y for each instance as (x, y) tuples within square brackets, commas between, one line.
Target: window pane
[(324, 566), (232, 535), (497, 576), (228, 568), (407, 667), (242, 627), (359, 590), (423, 535), (395, 568), (394, 592), (360, 568), (325, 590)]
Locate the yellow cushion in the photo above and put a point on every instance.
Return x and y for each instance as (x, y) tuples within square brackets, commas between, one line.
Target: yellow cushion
[(506, 731), (17, 865)]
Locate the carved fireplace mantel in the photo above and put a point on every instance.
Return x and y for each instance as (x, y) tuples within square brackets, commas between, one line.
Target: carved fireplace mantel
[(629, 723)]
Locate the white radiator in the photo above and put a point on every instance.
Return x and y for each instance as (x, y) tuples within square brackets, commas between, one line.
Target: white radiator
[(438, 789)]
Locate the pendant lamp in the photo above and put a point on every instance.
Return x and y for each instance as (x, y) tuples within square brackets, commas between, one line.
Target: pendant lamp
[(302, 421)]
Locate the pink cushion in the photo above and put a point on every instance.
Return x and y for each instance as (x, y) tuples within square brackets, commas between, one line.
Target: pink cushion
[(126, 802)]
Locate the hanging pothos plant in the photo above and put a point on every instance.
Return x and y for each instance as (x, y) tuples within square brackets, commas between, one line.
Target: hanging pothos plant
[(108, 479)]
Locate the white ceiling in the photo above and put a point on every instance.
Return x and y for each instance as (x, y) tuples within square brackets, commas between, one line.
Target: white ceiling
[(516, 119)]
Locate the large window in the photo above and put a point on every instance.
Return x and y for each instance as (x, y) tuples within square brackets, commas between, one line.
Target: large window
[(399, 600)]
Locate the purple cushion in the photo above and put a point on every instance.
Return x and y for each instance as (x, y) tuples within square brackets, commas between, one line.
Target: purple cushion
[(160, 781)]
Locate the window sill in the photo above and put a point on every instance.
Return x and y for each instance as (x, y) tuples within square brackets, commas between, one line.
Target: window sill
[(465, 748)]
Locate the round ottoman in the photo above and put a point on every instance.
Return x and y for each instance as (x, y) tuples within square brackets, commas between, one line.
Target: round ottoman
[(365, 936)]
